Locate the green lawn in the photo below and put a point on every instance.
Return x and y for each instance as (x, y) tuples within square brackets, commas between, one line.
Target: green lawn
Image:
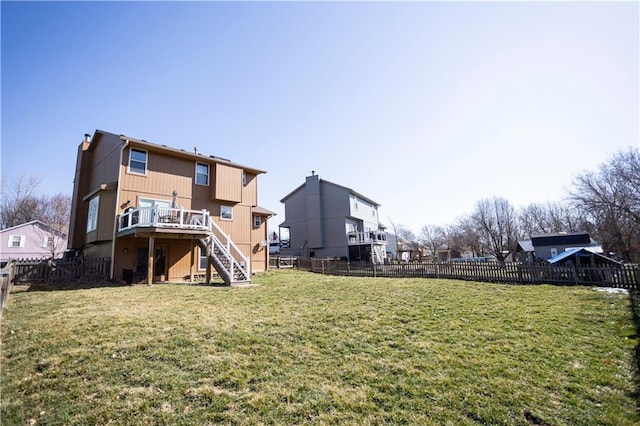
[(306, 348)]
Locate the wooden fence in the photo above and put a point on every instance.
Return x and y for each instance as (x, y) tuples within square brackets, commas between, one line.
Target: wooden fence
[(626, 276), (280, 262), (61, 272)]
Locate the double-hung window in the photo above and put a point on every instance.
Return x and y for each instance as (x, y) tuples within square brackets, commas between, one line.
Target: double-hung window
[(202, 174), (16, 241), (257, 221), (138, 161)]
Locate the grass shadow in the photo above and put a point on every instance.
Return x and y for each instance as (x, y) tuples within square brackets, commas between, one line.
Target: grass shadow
[(68, 286), (634, 299)]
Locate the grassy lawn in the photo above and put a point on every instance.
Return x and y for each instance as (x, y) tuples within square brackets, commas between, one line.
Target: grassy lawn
[(307, 348)]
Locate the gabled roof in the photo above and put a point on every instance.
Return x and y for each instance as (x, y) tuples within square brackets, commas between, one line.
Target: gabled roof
[(196, 156), (525, 246), (581, 251), (349, 190), (34, 223)]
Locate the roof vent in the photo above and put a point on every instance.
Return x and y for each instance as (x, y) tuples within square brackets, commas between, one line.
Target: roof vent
[(87, 137)]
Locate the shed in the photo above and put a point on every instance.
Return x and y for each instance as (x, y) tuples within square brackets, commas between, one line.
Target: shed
[(582, 256)]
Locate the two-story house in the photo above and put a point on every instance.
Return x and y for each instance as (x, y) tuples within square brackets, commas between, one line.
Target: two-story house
[(329, 220), (162, 213), (31, 240)]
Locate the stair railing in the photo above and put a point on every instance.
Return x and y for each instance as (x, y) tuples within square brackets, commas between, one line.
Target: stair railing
[(236, 257)]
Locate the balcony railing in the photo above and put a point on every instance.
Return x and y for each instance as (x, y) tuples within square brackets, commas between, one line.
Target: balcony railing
[(366, 237), (165, 217)]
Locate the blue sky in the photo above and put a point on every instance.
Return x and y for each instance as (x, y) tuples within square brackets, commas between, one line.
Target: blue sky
[(424, 107)]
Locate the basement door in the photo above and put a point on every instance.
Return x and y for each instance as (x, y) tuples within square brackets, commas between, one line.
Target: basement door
[(159, 262)]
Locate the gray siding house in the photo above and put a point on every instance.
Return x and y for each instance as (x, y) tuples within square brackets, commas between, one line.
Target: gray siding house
[(329, 220)]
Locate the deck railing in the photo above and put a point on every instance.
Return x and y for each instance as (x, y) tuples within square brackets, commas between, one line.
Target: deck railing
[(366, 237), (164, 217)]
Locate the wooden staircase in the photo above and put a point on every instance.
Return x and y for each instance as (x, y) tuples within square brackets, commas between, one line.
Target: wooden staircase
[(377, 256), (232, 266)]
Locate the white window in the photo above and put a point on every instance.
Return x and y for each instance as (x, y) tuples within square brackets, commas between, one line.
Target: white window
[(202, 259), (16, 241), (257, 221), (92, 219), (244, 178), (138, 161), (202, 174), (226, 212)]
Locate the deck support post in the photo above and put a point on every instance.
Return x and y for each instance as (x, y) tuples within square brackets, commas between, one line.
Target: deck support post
[(208, 275), (150, 263)]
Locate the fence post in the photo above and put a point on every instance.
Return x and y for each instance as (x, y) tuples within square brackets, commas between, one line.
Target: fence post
[(6, 281)]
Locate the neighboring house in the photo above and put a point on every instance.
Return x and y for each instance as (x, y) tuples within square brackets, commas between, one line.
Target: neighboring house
[(30, 240), (546, 246), (162, 213), (328, 220)]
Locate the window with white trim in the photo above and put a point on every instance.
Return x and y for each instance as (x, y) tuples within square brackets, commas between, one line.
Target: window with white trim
[(202, 259), (92, 218), (202, 174), (257, 221), (226, 212), (16, 241), (138, 161)]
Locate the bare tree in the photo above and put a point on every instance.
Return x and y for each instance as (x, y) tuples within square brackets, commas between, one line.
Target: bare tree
[(433, 237), (495, 219), (410, 242), (19, 201), (396, 230), (538, 218), (465, 237), (610, 198)]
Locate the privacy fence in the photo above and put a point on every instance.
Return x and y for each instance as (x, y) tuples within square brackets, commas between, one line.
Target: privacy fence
[(626, 276), (61, 272)]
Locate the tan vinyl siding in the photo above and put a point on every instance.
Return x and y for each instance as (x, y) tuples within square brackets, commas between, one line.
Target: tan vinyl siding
[(250, 190), (106, 214), (228, 183), (164, 175), (258, 252), (105, 159), (240, 227)]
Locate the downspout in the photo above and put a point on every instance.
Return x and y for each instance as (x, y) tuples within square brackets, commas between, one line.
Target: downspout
[(115, 218)]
